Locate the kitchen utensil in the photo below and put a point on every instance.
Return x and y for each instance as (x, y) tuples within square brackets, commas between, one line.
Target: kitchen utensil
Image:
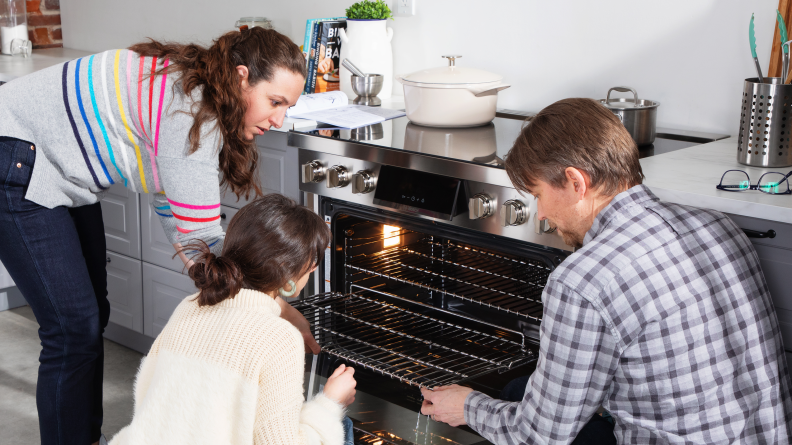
[(764, 136), (351, 67), (253, 22), (782, 30), (451, 96), (368, 42), (367, 88), (785, 67), (752, 43), (639, 116)]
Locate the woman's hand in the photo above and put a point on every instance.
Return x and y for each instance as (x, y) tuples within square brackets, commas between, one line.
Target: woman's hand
[(341, 385), (294, 317)]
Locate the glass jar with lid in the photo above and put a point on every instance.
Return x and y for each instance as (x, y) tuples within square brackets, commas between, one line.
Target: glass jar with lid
[(13, 25)]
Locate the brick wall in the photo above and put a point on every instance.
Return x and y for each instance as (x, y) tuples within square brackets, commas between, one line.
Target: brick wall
[(44, 23)]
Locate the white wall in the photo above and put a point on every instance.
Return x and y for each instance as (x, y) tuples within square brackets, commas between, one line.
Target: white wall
[(691, 55)]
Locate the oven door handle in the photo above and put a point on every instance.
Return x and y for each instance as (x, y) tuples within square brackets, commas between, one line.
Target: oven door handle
[(757, 234)]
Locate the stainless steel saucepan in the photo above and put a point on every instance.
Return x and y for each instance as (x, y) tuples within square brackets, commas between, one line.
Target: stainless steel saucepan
[(639, 116)]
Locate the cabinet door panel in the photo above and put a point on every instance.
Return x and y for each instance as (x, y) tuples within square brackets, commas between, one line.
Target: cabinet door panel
[(156, 249), (163, 290), (121, 215), (125, 291), (272, 170), (777, 266)]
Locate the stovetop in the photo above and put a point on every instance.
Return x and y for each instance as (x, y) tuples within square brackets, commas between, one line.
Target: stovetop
[(485, 145)]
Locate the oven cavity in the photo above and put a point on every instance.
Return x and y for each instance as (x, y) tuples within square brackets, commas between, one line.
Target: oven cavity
[(410, 301)]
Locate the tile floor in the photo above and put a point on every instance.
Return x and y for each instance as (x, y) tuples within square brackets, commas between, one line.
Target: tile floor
[(19, 351)]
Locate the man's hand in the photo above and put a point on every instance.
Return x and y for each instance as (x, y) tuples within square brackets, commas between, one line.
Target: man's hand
[(294, 317), (446, 404)]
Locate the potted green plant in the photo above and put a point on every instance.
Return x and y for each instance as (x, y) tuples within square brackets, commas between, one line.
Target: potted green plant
[(367, 43), (369, 10)]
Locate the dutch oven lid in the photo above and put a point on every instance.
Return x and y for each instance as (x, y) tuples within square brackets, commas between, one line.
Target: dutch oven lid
[(452, 75), (624, 103)]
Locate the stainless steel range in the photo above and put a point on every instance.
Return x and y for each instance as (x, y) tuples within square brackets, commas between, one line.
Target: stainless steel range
[(436, 268)]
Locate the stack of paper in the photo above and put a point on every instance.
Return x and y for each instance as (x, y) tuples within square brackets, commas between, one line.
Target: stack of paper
[(333, 108)]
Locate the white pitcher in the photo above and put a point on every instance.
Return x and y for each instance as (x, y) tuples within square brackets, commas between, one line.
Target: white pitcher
[(367, 43)]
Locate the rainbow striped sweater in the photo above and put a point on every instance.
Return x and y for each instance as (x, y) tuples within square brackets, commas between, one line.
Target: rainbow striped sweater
[(107, 119)]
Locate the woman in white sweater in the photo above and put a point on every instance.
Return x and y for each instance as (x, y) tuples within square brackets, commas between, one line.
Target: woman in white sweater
[(226, 369)]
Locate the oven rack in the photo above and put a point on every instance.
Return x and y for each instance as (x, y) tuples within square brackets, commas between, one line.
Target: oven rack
[(462, 272), (414, 348)]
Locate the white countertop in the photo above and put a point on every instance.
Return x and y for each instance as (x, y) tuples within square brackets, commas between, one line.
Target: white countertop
[(689, 177), (12, 67)]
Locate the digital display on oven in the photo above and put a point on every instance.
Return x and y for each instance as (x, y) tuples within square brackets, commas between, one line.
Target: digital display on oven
[(419, 192)]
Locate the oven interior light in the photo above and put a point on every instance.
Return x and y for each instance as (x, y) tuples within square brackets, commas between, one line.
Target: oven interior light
[(391, 236)]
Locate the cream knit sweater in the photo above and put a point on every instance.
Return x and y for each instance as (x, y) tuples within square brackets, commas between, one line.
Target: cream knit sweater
[(228, 374)]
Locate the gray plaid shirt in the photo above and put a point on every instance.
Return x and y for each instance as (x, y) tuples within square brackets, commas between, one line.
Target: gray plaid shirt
[(664, 319)]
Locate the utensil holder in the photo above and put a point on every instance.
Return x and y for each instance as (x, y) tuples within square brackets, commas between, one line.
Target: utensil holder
[(765, 123)]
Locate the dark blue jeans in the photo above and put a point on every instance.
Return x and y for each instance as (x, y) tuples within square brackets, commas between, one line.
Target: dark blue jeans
[(57, 259), (597, 431)]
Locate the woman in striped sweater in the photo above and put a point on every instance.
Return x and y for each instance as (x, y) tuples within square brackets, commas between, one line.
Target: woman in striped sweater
[(165, 119)]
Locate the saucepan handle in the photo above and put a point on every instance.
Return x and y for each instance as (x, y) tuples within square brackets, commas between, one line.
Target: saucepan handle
[(488, 91), (622, 90)]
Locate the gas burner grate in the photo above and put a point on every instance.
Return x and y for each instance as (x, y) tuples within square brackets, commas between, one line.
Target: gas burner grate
[(470, 274), (412, 347)]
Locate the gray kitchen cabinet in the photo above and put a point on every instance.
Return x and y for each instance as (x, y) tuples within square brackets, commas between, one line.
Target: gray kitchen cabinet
[(278, 169), (156, 249), (163, 290), (125, 291), (775, 257), (226, 214), (121, 215)]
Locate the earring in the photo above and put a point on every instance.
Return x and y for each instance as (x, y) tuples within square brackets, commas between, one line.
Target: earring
[(293, 290)]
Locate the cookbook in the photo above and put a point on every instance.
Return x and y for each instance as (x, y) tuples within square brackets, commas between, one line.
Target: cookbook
[(309, 49), (324, 74)]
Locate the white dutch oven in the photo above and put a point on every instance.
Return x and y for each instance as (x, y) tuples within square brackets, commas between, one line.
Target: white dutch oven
[(451, 96)]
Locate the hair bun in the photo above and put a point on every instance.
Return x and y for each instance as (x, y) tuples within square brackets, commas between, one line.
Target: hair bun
[(216, 277)]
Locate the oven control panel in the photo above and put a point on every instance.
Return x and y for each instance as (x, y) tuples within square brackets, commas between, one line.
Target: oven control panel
[(444, 199)]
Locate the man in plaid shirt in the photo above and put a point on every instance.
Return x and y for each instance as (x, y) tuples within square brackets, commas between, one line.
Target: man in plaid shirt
[(662, 315)]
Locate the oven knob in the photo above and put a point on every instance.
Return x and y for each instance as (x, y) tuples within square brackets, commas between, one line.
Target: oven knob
[(362, 182), (337, 177), (544, 226), (312, 172), (513, 213), (481, 206)]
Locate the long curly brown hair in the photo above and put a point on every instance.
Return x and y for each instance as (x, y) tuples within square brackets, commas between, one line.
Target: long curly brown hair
[(263, 52)]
